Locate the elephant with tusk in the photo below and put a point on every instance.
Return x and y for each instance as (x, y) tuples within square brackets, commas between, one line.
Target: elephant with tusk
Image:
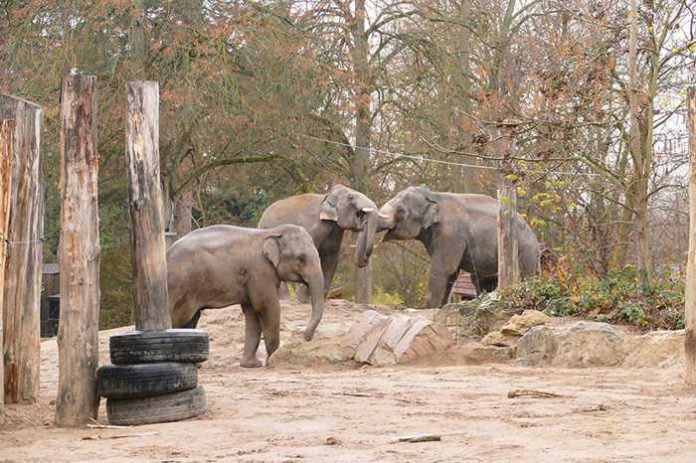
[(222, 265), (326, 217), (459, 231)]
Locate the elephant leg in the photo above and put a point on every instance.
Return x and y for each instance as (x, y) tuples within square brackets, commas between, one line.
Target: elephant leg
[(329, 264), (487, 284), (270, 325), (283, 292), (444, 267), (302, 293), (448, 289), (252, 336), (194, 321)]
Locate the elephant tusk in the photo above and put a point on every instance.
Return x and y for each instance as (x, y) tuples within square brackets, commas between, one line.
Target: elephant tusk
[(383, 216), (367, 210)]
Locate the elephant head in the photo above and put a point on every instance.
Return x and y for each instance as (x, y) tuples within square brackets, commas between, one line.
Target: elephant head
[(352, 210), (291, 251), (408, 213)]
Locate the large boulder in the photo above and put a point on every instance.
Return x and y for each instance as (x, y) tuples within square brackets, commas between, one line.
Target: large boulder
[(655, 349), (300, 353), (518, 325), (380, 340), (373, 338), (474, 318), (578, 344)]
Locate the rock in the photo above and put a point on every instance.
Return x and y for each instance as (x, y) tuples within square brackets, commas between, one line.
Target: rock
[(299, 352), (489, 354), (518, 325), (386, 340), (655, 349), (477, 317), (578, 344), (496, 338)]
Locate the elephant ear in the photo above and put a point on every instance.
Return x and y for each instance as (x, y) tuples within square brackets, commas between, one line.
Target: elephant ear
[(271, 249), (328, 210), (432, 210)]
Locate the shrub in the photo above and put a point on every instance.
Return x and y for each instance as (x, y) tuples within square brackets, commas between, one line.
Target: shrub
[(615, 298)]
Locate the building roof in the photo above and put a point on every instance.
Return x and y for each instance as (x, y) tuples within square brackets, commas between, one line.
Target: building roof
[(464, 286)]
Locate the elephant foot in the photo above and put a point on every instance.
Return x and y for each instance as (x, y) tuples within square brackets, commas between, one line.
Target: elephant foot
[(250, 363)]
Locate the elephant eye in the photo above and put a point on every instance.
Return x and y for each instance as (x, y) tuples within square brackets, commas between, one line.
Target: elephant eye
[(360, 213), (302, 258), (400, 211)]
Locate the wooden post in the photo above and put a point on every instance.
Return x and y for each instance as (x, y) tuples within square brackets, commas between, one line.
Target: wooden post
[(690, 302), (78, 253), (146, 207), (22, 288), (508, 248), (6, 149)]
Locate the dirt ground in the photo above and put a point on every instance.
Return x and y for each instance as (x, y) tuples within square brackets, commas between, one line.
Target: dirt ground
[(354, 414)]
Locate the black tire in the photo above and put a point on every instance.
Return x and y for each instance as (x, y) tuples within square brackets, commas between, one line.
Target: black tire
[(176, 345), (158, 409), (145, 380)]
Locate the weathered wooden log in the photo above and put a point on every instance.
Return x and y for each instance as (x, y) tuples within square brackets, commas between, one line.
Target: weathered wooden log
[(6, 149), (690, 302), (146, 206), (78, 253), (22, 288)]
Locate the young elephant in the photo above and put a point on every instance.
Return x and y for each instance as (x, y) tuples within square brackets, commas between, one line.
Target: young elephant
[(222, 265), (459, 231), (326, 217)]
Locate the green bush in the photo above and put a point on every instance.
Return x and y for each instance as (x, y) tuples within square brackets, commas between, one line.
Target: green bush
[(616, 298)]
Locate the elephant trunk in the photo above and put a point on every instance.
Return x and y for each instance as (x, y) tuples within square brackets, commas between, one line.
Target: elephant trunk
[(366, 240), (315, 282)]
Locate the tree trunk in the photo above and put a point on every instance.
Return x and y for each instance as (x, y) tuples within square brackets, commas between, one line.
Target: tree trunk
[(78, 253), (183, 209), (7, 128), (508, 247), (690, 306), (641, 160), (22, 298), (363, 127), (146, 207)]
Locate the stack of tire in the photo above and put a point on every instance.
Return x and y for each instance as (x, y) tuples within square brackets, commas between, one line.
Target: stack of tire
[(154, 377)]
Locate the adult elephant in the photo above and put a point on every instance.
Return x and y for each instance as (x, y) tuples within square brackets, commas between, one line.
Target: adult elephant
[(326, 217), (222, 265), (459, 231)]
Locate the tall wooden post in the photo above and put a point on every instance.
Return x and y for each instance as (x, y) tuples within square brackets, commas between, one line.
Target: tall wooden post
[(78, 253), (22, 288), (690, 306), (508, 248), (146, 207), (6, 149)]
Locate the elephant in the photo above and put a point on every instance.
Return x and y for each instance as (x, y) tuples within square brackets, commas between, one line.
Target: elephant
[(326, 217), (459, 231), (222, 265)]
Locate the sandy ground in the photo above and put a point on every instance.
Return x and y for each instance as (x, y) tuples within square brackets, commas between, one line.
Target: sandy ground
[(354, 414)]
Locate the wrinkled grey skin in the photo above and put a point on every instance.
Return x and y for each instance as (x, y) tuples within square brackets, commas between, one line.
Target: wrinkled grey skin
[(459, 231), (222, 265), (326, 217)]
